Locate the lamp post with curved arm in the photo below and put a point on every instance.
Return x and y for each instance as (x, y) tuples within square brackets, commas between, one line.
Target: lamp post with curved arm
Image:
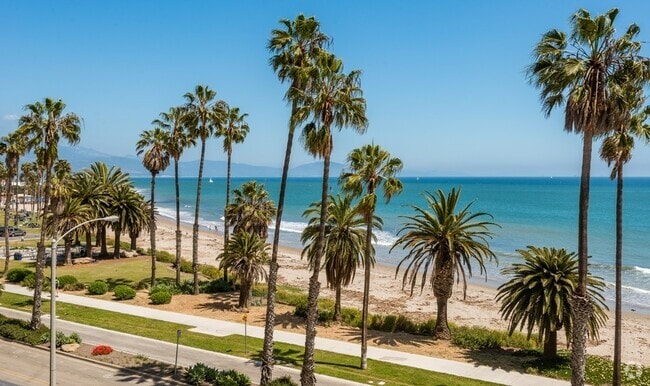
[(53, 262)]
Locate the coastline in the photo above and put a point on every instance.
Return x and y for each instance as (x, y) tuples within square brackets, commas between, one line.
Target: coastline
[(479, 308)]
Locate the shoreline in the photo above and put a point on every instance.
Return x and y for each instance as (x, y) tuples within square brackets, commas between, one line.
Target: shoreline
[(478, 309)]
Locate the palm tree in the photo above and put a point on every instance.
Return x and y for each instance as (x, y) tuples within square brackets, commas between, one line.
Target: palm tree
[(126, 203), (583, 71), (43, 125), (29, 175), (202, 118), (335, 100), (156, 159), (539, 295), (86, 188), (251, 209), (344, 243), (616, 149), (371, 168), (293, 49), (447, 241), (13, 146), (176, 122), (74, 213), (60, 193), (245, 256), (234, 130)]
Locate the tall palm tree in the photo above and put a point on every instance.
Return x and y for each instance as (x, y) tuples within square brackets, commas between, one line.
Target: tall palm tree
[(251, 209), (539, 295), (371, 168), (628, 122), (245, 256), (334, 101), (234, 130), (44, 125), (446, 240), (155, 159), (176, 122), (59, 194), (13, 146), (344, 242), (583, 71), (294, 47), (30, 178), (202, 119)]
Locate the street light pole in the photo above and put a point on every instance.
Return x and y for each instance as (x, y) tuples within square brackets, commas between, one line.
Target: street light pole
[(53, 292)]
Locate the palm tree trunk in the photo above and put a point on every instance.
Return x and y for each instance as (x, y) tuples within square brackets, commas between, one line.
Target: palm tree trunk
[(134, 239), (244, 294), (307, 377), (116, 249), (152, 230), (616, 378), (581, 305), (178, 223), (89, 243), (226, 227), (269, 325), (35, 321), (337, 304), (366, 289), (195, 227), (6, 224), (443, 286), (67, 242), (103, 241), (550, 345)]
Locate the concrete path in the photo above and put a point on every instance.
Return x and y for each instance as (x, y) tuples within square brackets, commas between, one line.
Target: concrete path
[(223, 328)]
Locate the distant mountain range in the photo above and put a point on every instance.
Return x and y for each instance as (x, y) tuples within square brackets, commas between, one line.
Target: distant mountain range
[(80, 158)]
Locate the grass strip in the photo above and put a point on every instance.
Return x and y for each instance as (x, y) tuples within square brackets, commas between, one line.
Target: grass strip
[(327, 363)]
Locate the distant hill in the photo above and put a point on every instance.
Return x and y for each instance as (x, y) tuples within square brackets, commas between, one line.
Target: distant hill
[(80, 158)]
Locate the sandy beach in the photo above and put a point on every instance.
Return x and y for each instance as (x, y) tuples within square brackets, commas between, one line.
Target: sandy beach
[(387, 296)]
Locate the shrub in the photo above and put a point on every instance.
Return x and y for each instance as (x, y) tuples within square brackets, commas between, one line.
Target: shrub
[(74, 287), (161, 297), (102, 350), (232, 378), (186, 266), (216, 286), (196, 375), (124, 292), (164, 256), (29, 281), (19, 330), (17, 275), (351, 317), (67, 280), (62, 339), (165, 287), (97, 288), (283, 381), (210, 271)]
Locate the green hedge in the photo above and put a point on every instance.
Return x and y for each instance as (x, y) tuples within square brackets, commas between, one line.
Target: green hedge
[(17, 275)]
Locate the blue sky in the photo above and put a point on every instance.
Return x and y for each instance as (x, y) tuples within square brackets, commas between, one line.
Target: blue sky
[(444, 81)]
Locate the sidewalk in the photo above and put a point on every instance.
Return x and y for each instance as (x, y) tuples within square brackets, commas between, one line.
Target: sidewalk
[(222, 328)]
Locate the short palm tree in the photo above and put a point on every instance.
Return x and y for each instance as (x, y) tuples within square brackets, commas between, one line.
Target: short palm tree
[(126, 203), (43, 126), (539, 295), (245, 256), (371, 168), (233, 130), (335, 100), (447, 241), (202, 119), (251, 209), (176, 122), (156, 159), (629, 121), (344, 243), (74, 213), (294, 47), (584, 71)]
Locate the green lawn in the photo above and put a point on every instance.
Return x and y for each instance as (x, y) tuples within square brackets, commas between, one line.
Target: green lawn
[(336, 365)]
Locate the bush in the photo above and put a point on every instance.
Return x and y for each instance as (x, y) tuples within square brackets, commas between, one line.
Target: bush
[(17, 275), (210, 271), (67, 280), (197, 374), (477, 338), (19, 330), (165, 287), (124, 292), (102, 350), (283, 381), (186, 266), (97, 288), (164, 256), (232, 378), (161, 297), (200, 374), (74, 287), (62, 339), (216, 286), (30, 282)]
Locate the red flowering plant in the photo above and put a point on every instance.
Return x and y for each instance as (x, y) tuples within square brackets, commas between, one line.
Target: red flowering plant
[(102, 350)]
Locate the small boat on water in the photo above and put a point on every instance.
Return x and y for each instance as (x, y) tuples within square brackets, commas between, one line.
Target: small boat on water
[(211, 180)]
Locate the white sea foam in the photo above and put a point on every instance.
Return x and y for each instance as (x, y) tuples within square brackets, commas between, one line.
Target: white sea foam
[(385, 239), (637, 290), (645, 271)]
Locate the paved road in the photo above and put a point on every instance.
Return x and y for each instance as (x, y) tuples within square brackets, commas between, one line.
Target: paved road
[(28, 366)]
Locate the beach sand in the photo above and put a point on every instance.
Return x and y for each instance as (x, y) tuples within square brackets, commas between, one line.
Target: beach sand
[(478, 309)]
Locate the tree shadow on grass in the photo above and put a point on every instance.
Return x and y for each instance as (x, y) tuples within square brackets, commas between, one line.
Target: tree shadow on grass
[(503, 358), (224, 301), (150, 374), (393, 339)]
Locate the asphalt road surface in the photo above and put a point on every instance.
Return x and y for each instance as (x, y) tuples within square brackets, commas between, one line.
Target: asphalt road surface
[(29, 366)]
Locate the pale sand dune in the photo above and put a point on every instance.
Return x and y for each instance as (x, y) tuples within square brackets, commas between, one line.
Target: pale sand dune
[(478, 309)]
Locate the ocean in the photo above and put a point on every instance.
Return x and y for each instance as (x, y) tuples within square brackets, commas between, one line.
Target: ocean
[(530, 211)]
